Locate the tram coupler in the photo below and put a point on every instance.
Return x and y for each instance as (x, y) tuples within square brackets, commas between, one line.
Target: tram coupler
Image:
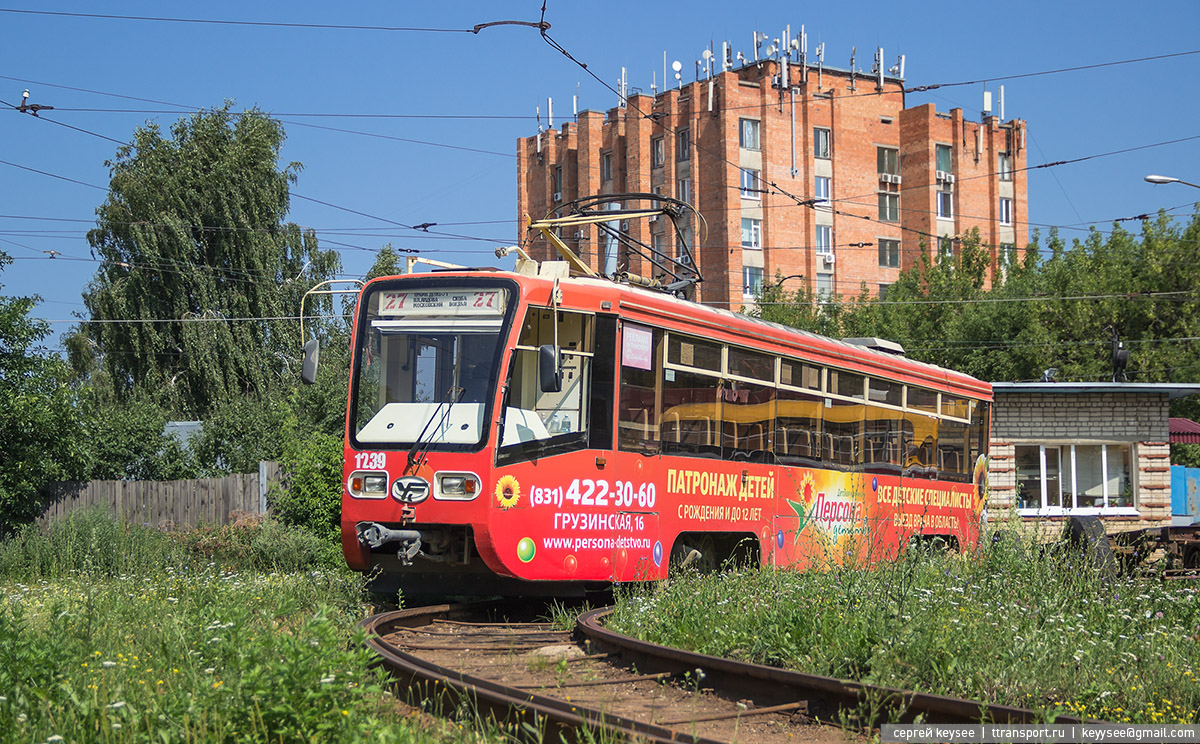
[(376, 535)]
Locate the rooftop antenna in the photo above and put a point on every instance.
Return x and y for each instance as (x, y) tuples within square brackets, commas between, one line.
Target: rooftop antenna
[(759, 38), (665, 86), (699, 64), (622, 90), (741, 58), (1001, 103), (575, 102), (654, 82), (897, 70), (803, 54), (549, 113), (853, 71), (820, 63), (787, 41), (677, 66), (707, 56), (538, 109), (878, 68), (726, 56), (987, 104)]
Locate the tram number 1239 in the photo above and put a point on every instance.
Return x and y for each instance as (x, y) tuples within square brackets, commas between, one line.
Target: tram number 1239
[(588, 492)]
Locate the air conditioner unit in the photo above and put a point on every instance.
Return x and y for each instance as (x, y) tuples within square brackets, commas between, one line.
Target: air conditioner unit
[(654, 217), (896, 178), (885, 177), (684, 260), (949, 178), (942, 175), (829, 259), (624, 225), (557, 196)]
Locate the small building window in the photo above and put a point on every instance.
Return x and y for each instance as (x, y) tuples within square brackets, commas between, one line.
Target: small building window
[(683, 190), (822, 147), (945, 205), (824, 285), (943, 158), (683, 144), (1085, 478), (748, 134), (751, 233), (887, 161), (1005, 167), (1006, 216), (606, 172), (889, 207), (752, 280), (750, 187), (825, 240), (657, 157), (889, 253), (821, 189)]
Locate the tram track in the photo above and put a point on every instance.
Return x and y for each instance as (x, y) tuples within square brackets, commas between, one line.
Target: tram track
[(591, 679)]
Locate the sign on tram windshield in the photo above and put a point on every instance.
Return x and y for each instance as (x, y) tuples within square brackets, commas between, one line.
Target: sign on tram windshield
[(442, 302)]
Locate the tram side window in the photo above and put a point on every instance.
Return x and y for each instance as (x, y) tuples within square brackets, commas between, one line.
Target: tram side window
[(747, 420), (691, 420), (843, 437), (883, 440), (921, 460), (798, 374), (952, 451), (537, 422), (798, 427), (641, 365)]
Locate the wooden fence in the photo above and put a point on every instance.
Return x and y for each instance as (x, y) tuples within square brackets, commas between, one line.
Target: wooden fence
[(179, 504)]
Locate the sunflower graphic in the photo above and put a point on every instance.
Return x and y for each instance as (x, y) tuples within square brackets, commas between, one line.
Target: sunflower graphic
[(508, 492), (808, 489)]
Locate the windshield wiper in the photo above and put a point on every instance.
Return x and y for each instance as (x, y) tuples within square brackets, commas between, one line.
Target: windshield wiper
[(417, 453)]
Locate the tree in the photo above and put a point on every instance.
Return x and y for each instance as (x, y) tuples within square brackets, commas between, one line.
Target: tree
[(38, 427), (198, 262)]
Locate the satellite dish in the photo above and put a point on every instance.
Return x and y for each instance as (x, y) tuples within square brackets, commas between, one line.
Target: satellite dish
[(795, 44), (706, 54), (771, 50), (676, 66)]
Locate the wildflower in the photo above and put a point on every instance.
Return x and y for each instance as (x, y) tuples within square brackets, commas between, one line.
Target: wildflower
[(108, 664)]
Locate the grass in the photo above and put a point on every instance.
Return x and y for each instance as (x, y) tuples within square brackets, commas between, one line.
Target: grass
[(1010, 623), (111, 633)]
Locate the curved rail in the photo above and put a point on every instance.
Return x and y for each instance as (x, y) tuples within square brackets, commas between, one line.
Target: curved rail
[(768, 688), (766, 683)]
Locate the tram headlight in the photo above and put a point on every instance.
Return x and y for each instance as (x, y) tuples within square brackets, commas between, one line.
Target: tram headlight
[(367, 485), (457, 486)]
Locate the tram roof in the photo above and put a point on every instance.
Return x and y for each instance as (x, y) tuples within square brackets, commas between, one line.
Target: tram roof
[(639, 301)]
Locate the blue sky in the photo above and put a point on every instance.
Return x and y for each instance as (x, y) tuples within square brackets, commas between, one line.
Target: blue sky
[(508, 71)]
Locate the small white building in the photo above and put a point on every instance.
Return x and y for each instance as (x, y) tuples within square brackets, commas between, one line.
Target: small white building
[(1063, 449)]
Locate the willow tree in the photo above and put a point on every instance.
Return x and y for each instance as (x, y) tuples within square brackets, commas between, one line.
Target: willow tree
[(200, 277)]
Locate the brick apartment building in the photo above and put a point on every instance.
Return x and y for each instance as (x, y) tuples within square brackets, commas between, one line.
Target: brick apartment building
[(886, 178)]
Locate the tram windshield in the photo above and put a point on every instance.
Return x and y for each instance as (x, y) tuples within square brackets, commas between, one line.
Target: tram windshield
[(425, 366)]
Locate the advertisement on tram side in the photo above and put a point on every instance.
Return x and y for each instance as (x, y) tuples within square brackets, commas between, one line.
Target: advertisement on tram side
[(558, 526)]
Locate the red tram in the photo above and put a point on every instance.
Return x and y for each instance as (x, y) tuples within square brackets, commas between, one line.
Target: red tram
[(518, 434)]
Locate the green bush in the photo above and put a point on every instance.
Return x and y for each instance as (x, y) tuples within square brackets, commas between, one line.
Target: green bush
[(312, 497)]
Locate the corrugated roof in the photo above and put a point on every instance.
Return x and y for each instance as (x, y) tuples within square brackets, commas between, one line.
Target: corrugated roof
[(1184, 431)]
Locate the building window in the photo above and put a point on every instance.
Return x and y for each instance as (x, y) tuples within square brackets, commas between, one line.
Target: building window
[(945, 205), (685, 239), (945, 248), (821, 189), (683, 144), (752, 280), (883, 291), (1005, 211), (889, 253), (825, 240), (824, 285), (889, 207), (1074, 477), (751, 233), (558, 183), (656, 152), (887, 161), (943, 158), (821, 144), (748, 134), (750, 187), (1008, 253), (683, 190), (1005, 167), (657, 244), (606, 166)]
